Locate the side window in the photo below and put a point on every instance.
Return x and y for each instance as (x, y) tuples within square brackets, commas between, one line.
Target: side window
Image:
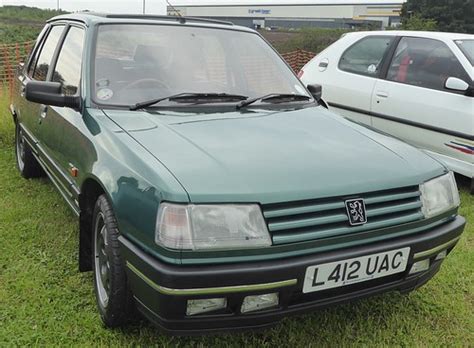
[(365, 56), (424, 63), (68, 67), (45, 57), (35, 51)]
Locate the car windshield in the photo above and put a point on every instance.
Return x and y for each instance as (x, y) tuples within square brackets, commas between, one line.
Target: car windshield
[(136, 63), (467, 47)]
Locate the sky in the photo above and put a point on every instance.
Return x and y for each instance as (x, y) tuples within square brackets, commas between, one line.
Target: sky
[(152, 6), (117, 6)]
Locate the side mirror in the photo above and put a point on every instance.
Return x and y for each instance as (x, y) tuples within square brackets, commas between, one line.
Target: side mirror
[(316, 91), (455, 84), (49, 93)]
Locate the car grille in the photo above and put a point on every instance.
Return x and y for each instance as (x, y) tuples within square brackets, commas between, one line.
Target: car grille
[(293, 222)]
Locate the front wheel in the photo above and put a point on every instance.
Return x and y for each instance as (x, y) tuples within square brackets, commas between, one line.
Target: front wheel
[(114, 299)]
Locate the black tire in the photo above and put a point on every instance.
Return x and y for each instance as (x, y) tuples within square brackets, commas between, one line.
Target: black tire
[(26, 163), (114, 298), (472, 186)]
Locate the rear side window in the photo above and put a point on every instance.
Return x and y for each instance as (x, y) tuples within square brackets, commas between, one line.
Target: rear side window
[(35, 51), (47, 52), (68, 67), (424, 63), (365, 56)]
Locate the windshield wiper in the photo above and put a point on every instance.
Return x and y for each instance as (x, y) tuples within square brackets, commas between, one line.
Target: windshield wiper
[(187, 96), (274, 97)]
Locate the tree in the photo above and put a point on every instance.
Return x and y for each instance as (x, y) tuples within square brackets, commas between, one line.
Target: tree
[(444, 15), (416, 22)]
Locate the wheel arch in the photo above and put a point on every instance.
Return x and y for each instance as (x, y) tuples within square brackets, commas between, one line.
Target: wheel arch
[(91, 189)]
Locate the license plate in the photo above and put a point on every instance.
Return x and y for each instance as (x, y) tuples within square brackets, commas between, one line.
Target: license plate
[(356, 270)]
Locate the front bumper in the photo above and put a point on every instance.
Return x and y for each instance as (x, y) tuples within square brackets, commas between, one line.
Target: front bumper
[(162, 290)]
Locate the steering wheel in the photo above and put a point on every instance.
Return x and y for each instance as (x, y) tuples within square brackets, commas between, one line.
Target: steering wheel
[(147, 81)]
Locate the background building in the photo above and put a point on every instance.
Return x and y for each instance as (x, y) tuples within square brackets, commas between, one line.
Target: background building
[(296, 13)]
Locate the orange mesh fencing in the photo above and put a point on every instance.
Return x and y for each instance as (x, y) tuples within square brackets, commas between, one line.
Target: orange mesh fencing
[(11, 56), (298, 59)]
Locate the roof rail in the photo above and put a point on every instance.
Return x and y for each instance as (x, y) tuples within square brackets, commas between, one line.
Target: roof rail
[(169, 18)]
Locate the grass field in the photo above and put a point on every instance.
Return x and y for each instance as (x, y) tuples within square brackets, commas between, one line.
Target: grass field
[(44, 300)]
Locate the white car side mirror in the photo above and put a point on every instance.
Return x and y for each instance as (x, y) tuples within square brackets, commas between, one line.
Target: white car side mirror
[(455, 84)]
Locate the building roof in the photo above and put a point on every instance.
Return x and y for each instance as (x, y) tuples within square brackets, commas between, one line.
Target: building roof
[(189, 3)]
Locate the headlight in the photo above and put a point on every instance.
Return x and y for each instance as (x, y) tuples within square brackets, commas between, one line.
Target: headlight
[(197, 227), (439, 195)]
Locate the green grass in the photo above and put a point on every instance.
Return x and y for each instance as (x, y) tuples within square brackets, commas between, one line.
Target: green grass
[(44, 300), (22, 23)]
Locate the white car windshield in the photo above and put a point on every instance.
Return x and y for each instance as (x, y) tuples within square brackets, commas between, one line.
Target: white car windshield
[(135, 63)]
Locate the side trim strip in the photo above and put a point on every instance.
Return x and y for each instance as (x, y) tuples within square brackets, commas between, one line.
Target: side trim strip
[(55, 181), (210, 291), (66, 183), (435, 250), (407, 122), (45, 162)]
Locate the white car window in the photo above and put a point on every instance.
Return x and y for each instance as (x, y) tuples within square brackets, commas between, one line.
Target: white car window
[(467, 47), (425, 63), (365, 56)]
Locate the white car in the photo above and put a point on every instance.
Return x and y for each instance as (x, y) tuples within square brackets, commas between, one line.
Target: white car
[(417, 86)]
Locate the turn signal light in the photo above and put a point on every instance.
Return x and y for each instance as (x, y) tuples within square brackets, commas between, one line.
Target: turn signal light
[(442, 255), (420, 266)]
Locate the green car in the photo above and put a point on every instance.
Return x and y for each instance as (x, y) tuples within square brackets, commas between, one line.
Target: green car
[(214, 191)]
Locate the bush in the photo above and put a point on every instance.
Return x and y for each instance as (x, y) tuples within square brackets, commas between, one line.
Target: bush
[(309, 39), (449, 15)]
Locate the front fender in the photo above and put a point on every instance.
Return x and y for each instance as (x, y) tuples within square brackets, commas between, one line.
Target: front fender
[(134, 181)]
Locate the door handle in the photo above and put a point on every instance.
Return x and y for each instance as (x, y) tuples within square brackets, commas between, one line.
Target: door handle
[(44, 111), (382, 94)]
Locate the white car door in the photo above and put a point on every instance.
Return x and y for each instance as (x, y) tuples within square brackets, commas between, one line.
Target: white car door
[(413, 103), (347, 72)]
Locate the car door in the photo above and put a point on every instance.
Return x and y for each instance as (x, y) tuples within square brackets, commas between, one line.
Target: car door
[(348, 75), (413, 103), (29, 113), (26, 111), (67, 70)]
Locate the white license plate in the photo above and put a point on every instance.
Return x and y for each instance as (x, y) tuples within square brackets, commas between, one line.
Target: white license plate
[(360, 269)]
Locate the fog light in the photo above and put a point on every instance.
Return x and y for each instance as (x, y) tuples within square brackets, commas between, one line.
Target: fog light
[(205, 305), (420, 266), (259, 302), (442, 255)]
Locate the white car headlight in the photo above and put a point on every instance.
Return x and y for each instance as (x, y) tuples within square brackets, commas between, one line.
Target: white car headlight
[(206, 226), (439, 195)]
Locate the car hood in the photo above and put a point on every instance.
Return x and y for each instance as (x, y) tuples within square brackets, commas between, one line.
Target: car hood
[(274, 156)]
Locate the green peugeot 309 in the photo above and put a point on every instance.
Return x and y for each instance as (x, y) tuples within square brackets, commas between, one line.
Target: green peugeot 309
[(214, 191)]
